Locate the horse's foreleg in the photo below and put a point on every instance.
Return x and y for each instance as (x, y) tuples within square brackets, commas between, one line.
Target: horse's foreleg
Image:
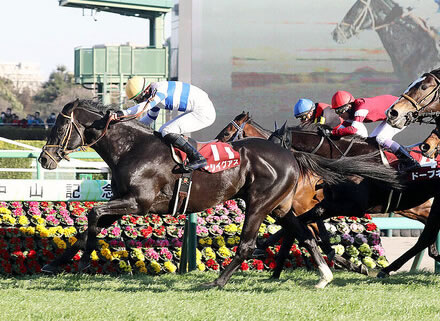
[(260, 250), (433, 252), (286, 245), (248, 237), (426, 238), (68, 254), (103, 216), (325, 240)]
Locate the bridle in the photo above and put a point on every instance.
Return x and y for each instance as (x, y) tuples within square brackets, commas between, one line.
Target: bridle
[(62, 150), (436, 150), (239, 134), (435, 92), (356, 25)]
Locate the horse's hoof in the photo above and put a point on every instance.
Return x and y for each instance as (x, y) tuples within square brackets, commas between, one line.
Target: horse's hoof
[(331, 255), (211, 285), (321, 284), (363, 270), (258, 253), (49, 269), (83, 266), (382, 274)]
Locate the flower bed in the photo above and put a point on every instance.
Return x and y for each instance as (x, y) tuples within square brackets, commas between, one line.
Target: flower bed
[(33, 233)]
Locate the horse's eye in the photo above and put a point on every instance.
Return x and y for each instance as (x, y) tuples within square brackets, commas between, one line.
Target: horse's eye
[(424, 87)]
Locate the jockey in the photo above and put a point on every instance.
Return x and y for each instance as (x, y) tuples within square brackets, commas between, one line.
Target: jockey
[(320, 113), (197, 111), (356, 112)]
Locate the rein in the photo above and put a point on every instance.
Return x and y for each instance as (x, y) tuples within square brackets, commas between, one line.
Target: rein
[(435, 91), (239, 133), (356, 25), (62, 150)]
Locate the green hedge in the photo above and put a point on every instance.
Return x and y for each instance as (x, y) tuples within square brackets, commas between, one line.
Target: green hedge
[(15, 133)]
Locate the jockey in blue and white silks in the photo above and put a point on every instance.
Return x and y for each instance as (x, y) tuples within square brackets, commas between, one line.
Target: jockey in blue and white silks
[(197, 111)]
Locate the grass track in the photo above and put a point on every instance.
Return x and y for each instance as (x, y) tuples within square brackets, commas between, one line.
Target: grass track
[(248, 296)]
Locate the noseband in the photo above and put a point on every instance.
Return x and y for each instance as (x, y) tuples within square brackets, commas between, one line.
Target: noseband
[(356, 25), (436, 150), (61, 149), (417, 105)]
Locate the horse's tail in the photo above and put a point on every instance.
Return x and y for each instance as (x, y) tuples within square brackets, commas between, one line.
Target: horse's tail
[(337, 171)]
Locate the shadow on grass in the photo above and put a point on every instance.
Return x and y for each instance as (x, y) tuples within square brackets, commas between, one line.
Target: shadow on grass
[(239, 282)]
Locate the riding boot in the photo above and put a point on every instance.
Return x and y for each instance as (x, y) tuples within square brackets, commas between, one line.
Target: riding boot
[(195, 159), (406, 161)]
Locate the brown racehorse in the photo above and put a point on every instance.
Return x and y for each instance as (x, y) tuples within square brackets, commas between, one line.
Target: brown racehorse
[(144, 176), (422, 96), (307, 138)]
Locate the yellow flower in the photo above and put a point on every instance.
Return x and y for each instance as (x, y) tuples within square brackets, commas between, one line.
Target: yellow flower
[(231, 228), (143, 270), (4, 210), (224, 251), (220, 241), (107, 254), (104, 245), (155, 266), (262, 228), (270, 219), (201, 267), (72, 240), (39, 219), (198, 254), (170, 267), (30, 230), (179, 252), (23, 221), (140, 264), (125, 266), (69, 231), (94, 256), (44, 233), (209, 253)]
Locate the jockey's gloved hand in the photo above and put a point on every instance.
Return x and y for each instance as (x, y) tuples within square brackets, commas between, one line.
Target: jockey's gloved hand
[(325, 131), (115, 116)]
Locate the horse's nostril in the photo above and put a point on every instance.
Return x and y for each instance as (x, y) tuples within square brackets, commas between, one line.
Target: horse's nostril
[(392, 113), (425, 147)]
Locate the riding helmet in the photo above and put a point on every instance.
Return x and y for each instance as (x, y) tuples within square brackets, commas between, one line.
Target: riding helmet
[(303, 106), (341, 98), (135, 86)]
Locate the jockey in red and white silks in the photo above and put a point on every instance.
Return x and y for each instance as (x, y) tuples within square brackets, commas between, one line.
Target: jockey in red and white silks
[(364, 110)]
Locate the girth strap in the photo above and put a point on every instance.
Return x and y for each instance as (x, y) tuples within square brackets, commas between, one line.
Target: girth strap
[(183, 192)]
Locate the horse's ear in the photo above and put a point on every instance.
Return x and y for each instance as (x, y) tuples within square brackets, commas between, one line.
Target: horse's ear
[(275, 126), (283, 128)]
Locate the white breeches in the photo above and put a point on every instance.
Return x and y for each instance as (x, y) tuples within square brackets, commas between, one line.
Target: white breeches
[(202, 116), (384, 134)]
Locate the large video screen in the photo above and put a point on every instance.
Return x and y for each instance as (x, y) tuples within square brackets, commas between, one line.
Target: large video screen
[(262, 56)]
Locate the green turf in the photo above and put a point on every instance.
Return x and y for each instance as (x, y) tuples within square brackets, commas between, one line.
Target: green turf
[(248, 296)]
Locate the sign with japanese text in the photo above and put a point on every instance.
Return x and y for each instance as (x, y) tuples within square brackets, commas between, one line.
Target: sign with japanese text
[(55, 190)]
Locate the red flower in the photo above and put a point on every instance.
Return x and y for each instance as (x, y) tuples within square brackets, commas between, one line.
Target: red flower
[(226, 262), (371, 227), (146, 232), (212, 264), (288, 264), (210, 211), (32, 254), (258, 265), (367, 216), (353, 218), (266, 235), (272, 265), (244, 266)]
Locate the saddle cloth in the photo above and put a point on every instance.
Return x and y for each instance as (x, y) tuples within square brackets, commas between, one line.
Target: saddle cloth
[(430, 168), (220, 156)]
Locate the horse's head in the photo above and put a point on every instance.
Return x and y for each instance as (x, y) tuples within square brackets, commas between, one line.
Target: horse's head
[(234, 130), (68, 134), (364, 14), (420, 97), (281, 137), (431, 146)]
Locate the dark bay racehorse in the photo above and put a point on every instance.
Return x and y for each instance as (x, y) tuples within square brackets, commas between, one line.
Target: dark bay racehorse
[(307, 138), (421, 97), (144, 176), (412, 45)]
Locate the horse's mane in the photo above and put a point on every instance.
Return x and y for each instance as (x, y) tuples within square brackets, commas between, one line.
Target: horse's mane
[(312, 128), (100, 108), (258, 126)]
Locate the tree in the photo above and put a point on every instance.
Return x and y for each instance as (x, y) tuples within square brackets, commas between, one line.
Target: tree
[(7, 93), (59, 81)]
